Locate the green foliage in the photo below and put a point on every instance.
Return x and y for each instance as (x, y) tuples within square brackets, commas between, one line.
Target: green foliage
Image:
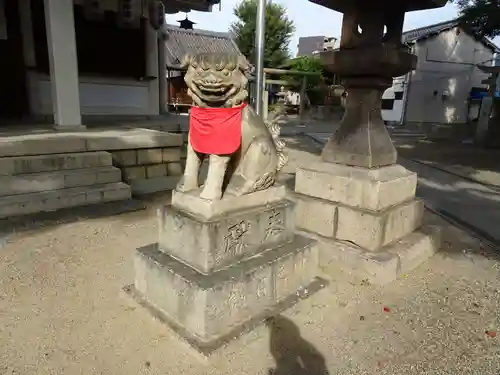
[(482, 17), (279, 31), (310, 64)]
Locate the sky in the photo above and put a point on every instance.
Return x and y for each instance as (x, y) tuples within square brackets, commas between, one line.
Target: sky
[(309, 19)]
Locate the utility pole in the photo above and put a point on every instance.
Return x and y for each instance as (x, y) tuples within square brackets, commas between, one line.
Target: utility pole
[(260, 30)]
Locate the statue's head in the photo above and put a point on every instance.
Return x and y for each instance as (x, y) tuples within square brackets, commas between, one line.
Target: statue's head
[(217, 79)]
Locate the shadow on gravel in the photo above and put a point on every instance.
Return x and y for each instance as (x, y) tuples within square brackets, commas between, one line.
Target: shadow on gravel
[(292, 354)]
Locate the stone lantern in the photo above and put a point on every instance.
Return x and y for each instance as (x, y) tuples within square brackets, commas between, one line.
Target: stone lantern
[(370, 55), (357, 193)]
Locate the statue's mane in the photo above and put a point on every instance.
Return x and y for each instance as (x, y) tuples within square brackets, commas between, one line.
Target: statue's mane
[(217, 61)]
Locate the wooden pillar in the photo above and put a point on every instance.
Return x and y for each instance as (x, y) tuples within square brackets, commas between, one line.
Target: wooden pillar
[(61, 41), (303, 89)]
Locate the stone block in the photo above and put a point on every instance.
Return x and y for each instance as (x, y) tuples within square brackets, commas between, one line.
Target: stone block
[(294, 272), (136, 172), (149, 156), (153, 185), (209, 245), (124, 158), (373, 230), (334, 256), (54, 180), (370, 189), (43, 144), (205, 307), (132, 139), (416, 248), (316, 215), (156, 170), (192, 203), (47, 163), (382, 267), (174, 169), (22, 204), (171, 154), (92, 176)]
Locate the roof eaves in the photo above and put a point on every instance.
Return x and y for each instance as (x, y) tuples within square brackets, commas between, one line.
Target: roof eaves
[(180, 41), (416, 35)]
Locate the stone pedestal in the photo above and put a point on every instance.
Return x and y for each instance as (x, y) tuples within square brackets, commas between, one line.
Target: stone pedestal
[(366, 220), (220, 267)]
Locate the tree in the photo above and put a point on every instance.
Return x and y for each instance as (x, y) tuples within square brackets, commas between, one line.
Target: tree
[(482, 17), (310, 64), (279, 31), (316, 88)]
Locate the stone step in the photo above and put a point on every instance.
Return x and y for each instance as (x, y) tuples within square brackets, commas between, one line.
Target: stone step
[(57, 180), (11, 166), (96, 140), (23, 204)]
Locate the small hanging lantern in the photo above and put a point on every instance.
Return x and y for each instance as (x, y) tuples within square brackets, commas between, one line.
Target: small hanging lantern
[(186, 23)]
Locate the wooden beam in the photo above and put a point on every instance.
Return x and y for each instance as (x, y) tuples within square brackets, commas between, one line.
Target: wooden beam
[(290, 72), (280, 82)]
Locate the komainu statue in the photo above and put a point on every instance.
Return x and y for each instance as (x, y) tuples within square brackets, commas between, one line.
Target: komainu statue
[(245, 153)]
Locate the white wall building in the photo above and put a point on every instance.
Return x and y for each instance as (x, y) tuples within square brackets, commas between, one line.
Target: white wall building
[(439, 89), (313, 45)]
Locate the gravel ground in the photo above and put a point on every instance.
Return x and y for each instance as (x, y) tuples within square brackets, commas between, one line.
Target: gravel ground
[(62, 311)]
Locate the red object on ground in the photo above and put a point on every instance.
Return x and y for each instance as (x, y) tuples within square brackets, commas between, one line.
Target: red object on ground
[(215, 130), (491, 334), (386, 309)]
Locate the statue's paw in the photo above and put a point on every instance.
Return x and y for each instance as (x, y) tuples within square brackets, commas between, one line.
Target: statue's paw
[(231, 192), (210, 194), (186, 185)]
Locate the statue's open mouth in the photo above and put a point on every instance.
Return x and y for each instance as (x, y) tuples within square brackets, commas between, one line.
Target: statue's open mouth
[(213, 93), (213, 89)]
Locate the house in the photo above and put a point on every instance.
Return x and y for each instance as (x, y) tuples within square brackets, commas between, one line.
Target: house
[(441, 90), (180, 42), (312, 45), (62, 59)]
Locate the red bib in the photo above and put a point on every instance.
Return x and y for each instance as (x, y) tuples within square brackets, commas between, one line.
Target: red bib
[(215, 130)]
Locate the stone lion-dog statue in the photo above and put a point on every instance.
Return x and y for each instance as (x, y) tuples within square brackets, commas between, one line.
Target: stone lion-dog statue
[(245, 153)]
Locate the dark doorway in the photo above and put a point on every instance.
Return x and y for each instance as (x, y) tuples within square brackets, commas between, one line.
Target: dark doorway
[(13, 92)]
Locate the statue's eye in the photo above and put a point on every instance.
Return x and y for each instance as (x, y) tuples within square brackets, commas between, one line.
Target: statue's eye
[(194, 64)]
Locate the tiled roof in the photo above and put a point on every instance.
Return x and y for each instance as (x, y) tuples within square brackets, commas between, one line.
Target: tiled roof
[(415, 35), (427, 31), (180, 42)]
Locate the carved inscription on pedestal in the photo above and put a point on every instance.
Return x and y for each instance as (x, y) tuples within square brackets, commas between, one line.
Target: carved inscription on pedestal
[(241, 237), (233, 240), (276, 224)]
